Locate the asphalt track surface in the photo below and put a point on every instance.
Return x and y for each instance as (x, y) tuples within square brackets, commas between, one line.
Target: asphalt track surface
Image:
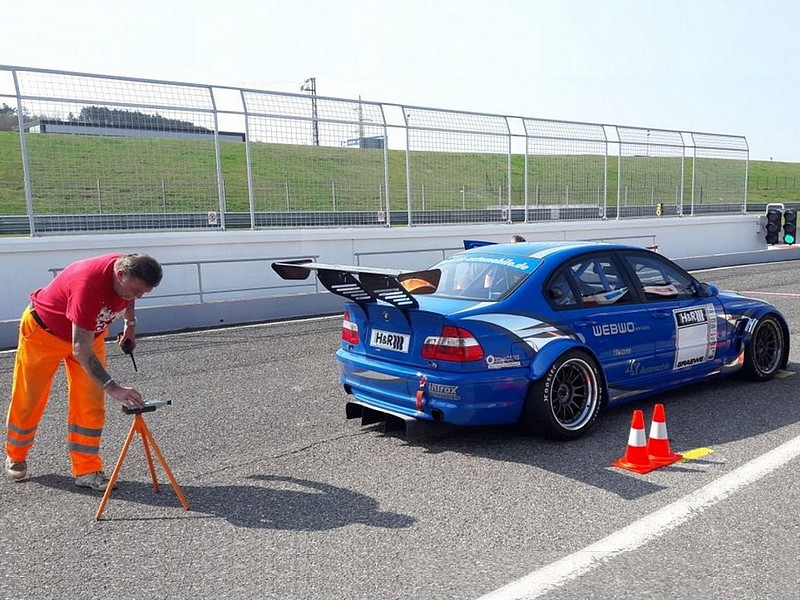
[(290, 500)]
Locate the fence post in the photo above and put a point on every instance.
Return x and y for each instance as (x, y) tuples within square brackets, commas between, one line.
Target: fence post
[(26, 169)]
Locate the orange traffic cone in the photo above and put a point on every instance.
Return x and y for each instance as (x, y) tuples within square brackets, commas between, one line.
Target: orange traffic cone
[(658, 446), (636, 458)]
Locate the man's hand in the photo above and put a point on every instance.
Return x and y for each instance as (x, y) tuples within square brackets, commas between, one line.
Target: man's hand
[(127, 345), (127, 396), (127, 340)]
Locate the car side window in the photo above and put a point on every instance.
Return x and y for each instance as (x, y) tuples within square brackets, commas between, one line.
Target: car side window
[(597, 280), (560, 293), (478, 280), (659, 280)]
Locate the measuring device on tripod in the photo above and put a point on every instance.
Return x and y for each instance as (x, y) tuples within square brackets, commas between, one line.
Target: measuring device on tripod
[(148, 442)]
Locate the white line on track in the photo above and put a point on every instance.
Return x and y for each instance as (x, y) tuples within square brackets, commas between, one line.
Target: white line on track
[(639, 533), (781, 294), (741, 267)]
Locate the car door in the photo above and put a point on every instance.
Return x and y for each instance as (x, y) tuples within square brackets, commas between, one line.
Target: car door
[(596, 298), (685, 328)]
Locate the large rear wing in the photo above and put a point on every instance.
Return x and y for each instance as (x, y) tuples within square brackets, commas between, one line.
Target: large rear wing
[(365, 284)]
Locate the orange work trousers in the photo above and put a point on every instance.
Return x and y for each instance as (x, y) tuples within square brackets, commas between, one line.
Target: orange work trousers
[(39, 354)]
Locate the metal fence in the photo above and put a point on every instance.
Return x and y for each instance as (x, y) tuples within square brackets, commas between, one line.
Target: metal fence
[(651, 171), (98, 153), (566, 170)]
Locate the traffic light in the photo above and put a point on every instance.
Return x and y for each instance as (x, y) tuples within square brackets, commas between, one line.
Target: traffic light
[(773, 225), (789, 226)]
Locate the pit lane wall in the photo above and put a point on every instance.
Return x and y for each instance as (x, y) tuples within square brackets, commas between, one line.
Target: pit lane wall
[(223, 278)]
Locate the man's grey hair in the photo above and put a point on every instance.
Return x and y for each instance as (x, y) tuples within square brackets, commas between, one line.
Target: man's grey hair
[(142, 267)]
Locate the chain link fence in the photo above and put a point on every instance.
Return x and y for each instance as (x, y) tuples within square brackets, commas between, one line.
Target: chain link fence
[(566, 170), (322, 160), (459, 167), (104, 147), (719, 178), (89, 152), (650, 174)]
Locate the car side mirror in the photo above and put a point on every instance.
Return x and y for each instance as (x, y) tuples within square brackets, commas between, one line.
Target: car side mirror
[(706, 290)]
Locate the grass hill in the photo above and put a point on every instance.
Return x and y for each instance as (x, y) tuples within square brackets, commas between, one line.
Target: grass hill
[(76, 174)]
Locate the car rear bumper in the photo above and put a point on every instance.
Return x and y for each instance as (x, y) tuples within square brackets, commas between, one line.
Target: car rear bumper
[(485, 398)]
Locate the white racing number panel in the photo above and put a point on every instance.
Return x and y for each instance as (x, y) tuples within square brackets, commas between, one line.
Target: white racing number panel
[(389, 340), (696, 339)]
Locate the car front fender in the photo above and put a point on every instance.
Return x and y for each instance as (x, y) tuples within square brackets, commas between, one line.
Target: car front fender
[(752, 317)]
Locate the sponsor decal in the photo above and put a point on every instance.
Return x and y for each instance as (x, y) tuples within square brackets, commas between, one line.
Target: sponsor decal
[(388, 340), (634, 368), (613, 328), (443, 392), (696, 335), (503, 362), (691, 317), (621, 351), (505, 262), (688, 362)]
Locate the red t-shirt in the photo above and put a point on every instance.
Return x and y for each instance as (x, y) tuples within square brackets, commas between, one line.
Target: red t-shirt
[(83, 293)]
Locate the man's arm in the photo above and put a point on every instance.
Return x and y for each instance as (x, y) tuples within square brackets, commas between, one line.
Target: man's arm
[(130, 312), (129, 328), (82, 349)]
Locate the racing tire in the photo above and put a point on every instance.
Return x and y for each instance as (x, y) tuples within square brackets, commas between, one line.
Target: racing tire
[(763, 354), (564, 403)]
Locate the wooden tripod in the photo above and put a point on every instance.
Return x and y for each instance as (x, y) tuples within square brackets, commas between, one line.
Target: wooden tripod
[(140, 427)]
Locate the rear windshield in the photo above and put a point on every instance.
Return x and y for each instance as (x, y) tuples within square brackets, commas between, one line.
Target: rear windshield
[(482, 277)]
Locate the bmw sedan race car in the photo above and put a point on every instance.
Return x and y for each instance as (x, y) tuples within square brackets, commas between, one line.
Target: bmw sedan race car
[(545, 335)]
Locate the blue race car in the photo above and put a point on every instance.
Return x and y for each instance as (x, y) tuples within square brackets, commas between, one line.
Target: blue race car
[(541, 334)]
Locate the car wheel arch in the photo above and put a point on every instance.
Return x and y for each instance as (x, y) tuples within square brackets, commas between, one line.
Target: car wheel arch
[(548, 355), (759, 315)]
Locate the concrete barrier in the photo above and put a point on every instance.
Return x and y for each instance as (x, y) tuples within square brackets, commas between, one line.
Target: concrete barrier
[(214, 279)]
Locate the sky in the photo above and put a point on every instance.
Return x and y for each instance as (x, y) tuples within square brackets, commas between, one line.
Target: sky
[(714, 66)]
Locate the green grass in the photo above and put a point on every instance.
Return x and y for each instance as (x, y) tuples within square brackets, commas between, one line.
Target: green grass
[(87, 174)]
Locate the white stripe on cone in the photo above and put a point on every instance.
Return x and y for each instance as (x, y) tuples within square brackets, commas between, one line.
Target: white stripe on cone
[(658, 431), (636, 438)]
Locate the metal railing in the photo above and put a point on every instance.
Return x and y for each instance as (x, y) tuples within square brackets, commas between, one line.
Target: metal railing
[(188, 281), (100, 153)]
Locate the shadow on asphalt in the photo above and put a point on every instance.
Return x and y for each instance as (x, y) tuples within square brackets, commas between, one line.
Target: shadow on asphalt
[(705, 415), (272, 502)]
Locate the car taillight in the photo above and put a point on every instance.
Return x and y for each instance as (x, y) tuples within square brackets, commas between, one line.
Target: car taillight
[(455, 344), (349, 330)]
